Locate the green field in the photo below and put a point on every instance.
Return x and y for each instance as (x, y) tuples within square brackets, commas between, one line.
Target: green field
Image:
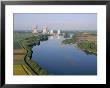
[(86, 41), (17, 36), (23, 64)]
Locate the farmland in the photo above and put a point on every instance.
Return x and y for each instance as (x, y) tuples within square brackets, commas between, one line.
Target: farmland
[(85, 41), (22, 63), (19, 54)]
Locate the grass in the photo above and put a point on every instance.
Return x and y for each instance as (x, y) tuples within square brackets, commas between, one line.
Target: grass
[(23, 43), (19, 64), (21, 70), (88, 46), (26, 69), (68, 41), (18, 70), (27, 44), (17, 36), (85, 41)]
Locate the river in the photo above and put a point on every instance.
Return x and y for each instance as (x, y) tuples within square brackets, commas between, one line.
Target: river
[(60, 59)]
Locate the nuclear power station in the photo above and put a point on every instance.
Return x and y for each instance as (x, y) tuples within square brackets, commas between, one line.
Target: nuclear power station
[(44, 31), (34, 29)]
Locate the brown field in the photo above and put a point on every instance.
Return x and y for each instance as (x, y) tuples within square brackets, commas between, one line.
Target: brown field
[(87, 36), (19, 66), (18, 70), (18, 56), (19, 51)]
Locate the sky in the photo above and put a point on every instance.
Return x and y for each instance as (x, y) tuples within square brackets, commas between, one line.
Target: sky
[(56, 21)]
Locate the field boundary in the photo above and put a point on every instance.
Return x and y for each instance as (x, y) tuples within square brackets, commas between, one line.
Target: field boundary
[(28, 56)]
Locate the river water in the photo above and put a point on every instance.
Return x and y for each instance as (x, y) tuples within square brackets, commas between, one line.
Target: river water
[(60, 59)]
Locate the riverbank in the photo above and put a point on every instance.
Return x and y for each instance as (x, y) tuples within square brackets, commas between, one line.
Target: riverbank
[(85, 41), (27, 44), (64, 59), (23, 43), (19, 66)]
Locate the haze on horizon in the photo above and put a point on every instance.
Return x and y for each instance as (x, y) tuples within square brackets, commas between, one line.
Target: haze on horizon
[(56, 21)]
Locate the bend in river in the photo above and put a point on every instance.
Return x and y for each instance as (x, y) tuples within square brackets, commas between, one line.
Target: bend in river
[(60, 59)]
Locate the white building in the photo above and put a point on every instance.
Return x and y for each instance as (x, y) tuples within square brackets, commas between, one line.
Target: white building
[(45, 29), (34, 29), (51, 32), (58, 32)]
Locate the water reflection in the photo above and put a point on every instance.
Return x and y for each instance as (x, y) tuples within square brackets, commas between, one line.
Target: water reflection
[(60, 59), (62, 37), (56, 37), (51, 37)]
